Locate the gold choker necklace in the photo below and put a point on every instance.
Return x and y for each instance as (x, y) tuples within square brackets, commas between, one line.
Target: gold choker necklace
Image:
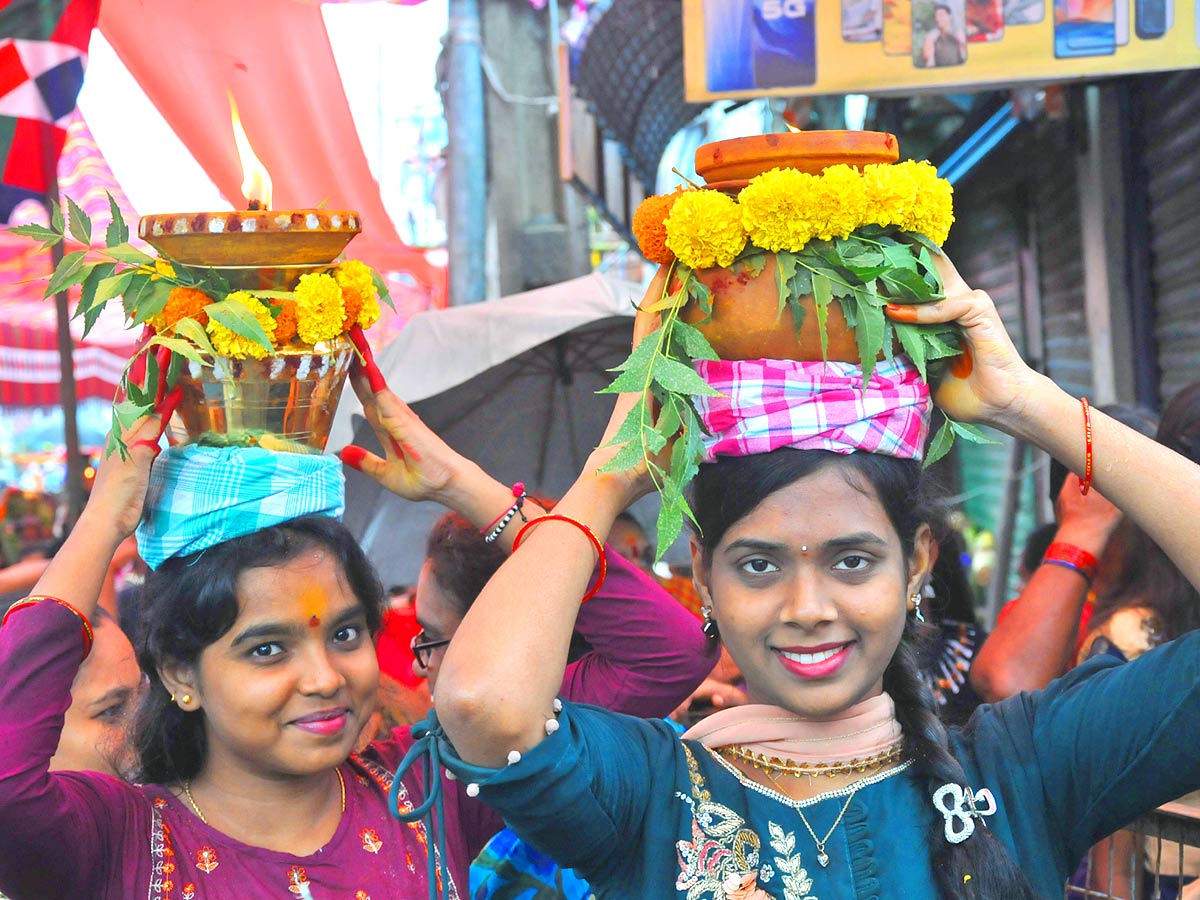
[(808, 770)]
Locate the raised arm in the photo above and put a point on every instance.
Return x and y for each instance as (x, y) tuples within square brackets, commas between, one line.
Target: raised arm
[(40, 652), (1035, 641), (1156, 487)]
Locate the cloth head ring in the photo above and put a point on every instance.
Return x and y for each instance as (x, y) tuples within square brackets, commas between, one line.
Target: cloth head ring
[(766, 404), (201, 496)]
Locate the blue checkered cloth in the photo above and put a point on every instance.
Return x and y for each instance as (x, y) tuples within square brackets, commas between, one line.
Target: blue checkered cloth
[(201, 496)]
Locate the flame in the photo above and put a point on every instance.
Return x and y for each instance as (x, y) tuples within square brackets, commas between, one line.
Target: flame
[(793, 129), (256, 180)]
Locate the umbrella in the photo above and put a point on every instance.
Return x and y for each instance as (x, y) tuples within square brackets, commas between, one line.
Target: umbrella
[(510, 384)]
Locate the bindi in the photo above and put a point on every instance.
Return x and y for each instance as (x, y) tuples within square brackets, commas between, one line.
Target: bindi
[(314, 621)]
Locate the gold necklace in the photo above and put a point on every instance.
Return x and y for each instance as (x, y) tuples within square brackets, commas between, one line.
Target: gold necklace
[(822, 856), (187, 790), (799, 770)]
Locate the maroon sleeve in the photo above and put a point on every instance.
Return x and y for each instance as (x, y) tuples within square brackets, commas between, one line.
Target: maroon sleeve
[(647, 652), (43, 815)]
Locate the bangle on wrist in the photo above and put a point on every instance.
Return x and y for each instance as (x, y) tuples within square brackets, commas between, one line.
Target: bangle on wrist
[(588, 533), (84, 625), (1068, 556)]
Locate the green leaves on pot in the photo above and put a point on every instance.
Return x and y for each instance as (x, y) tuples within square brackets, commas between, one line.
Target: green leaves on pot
[(661, 367)]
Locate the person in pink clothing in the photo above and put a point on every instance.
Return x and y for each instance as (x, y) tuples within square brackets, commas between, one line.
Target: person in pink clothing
[(256, 640)]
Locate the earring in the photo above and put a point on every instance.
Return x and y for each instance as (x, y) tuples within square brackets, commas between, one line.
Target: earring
[(185, 699), (916, 601), (710, 624), (172, 698)]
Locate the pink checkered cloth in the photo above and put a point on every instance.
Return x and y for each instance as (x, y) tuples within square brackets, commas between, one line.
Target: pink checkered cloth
[(771, 403)]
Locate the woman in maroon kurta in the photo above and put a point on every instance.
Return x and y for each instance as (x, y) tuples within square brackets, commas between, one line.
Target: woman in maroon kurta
[(85, 834)]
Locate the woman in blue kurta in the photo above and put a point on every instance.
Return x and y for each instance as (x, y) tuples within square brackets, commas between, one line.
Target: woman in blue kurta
[(811, 564)]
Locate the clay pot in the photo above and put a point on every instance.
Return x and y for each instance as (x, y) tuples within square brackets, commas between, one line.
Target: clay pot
[(746, 322), (731, 163)]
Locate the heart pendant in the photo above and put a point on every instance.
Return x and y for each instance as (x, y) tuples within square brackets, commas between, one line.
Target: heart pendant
[(823, 858)]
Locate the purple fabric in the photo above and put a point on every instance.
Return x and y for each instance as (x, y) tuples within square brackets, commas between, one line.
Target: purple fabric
[(68, 835)]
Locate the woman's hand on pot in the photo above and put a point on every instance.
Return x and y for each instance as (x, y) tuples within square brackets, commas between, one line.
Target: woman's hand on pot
[(417, 464), (989, 380), (119, 491)]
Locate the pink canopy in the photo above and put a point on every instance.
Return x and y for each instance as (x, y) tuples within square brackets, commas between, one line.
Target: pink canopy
[(274, 57)]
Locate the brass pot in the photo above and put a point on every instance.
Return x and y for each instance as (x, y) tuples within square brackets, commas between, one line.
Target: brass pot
[(285, 401)]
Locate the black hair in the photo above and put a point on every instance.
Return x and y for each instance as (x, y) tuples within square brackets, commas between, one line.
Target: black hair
[(189, 602), (463, 562), (728, 490), (953, 596), (1147, 576), (1036, 545)]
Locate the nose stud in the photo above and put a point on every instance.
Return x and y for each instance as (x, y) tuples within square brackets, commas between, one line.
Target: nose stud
[(804, 548)]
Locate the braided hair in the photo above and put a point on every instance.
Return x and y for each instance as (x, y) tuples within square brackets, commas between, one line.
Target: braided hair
[(728, 490)]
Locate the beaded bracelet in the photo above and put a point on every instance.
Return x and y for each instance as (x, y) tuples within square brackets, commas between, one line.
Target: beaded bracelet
[(498, 525), (599, 548), (84, 624), (1068, 556)]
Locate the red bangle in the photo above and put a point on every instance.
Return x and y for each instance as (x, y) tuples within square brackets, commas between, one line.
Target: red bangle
[(1086, 484), (1071, 557), (84, 624), (599, 548)]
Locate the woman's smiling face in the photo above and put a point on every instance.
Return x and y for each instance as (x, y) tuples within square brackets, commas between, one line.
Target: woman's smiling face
[(810, 591)]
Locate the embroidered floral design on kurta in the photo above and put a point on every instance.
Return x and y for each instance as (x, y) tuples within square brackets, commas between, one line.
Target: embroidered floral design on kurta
[(206, 860), (162, 854), (722, 860), (189, 891), (296, 877), (370, 840)]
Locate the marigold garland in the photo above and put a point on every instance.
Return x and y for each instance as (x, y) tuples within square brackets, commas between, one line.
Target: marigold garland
[(649, 226), (784, 209), (287, 324), (320, 308), (230, 343), (704, 229), (182, 303)]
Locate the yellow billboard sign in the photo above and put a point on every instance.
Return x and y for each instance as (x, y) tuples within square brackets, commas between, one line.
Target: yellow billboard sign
[(754, 48)]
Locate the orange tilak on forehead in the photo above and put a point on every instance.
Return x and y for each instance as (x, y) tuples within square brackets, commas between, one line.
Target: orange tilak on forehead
[(313, 604)]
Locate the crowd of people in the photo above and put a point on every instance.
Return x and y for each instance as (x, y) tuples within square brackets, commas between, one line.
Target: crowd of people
[(814, 713)]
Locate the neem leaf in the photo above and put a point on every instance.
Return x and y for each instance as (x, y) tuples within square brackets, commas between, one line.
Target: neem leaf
[(667, 301), (69, 272), (127, 253), (631, 425), (56, 219), (113, 285), (177, 346), (913, 343), (970, 433), (669, 525), (81, 225), (800, 284), (907, 285), (669, 421), (699, 291), (38, 233), (924, 242), (118, 231), (149, 299), (868, 334), (693, 342), (381, 287), (635, 370), (238, 319), (193, 331), (936, 347), (628, 457), (89, 307), (900, 256), (785, 270), (751, 265), (940, 445), (679, 378), (822, 297)]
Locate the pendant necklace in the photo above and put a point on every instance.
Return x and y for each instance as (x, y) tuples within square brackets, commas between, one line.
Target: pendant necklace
[(822, 856)]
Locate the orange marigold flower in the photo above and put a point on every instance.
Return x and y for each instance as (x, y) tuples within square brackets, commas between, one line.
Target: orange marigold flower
[(287, 323), (353, 300), (650, 229), (182, 303)]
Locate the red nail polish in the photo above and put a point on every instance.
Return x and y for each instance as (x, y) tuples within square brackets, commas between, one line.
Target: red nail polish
[(901, 313), (353, 455)]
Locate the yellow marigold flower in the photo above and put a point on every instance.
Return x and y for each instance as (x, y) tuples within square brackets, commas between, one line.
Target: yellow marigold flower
[(705, 229), (229, 343), (891, 193), (840, 202), (320, 308), (370, 312), (773, 208), (162, 267), (650, 228), (182, 303), (933, 213), (358, 294)]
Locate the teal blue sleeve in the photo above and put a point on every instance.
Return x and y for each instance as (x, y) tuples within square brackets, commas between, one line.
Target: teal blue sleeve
[(582, 796), (1115, 740)]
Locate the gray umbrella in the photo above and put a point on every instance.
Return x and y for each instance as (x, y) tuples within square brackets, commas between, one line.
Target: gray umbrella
[(532, 416)]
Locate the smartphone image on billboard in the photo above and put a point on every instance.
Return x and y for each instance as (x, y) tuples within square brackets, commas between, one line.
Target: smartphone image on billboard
[(985, 20), (897, 27), (784, 43), (862, 21), (1150, 20), (1084, 28), (939, 33), (1024, 12)]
